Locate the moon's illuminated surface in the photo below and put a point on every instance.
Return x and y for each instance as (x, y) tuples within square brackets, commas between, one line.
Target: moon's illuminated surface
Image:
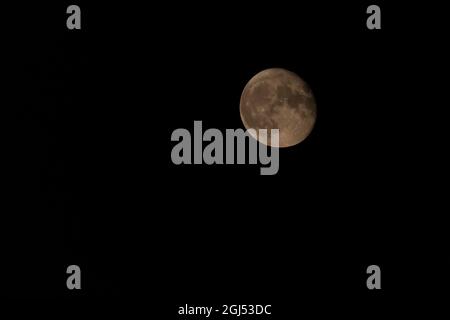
[(279, 99)]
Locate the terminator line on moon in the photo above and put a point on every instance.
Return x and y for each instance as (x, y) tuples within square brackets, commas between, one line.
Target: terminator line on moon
[(279, 99)]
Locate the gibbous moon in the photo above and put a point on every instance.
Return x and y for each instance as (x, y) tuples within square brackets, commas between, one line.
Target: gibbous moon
[(279, 99)]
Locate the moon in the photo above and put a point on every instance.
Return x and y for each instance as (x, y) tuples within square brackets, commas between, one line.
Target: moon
[(279, 99)]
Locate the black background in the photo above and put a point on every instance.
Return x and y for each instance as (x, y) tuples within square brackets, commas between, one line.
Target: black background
[(90, 180)]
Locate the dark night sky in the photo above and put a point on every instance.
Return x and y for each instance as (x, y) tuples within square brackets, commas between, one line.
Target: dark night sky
[(91, 182)]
